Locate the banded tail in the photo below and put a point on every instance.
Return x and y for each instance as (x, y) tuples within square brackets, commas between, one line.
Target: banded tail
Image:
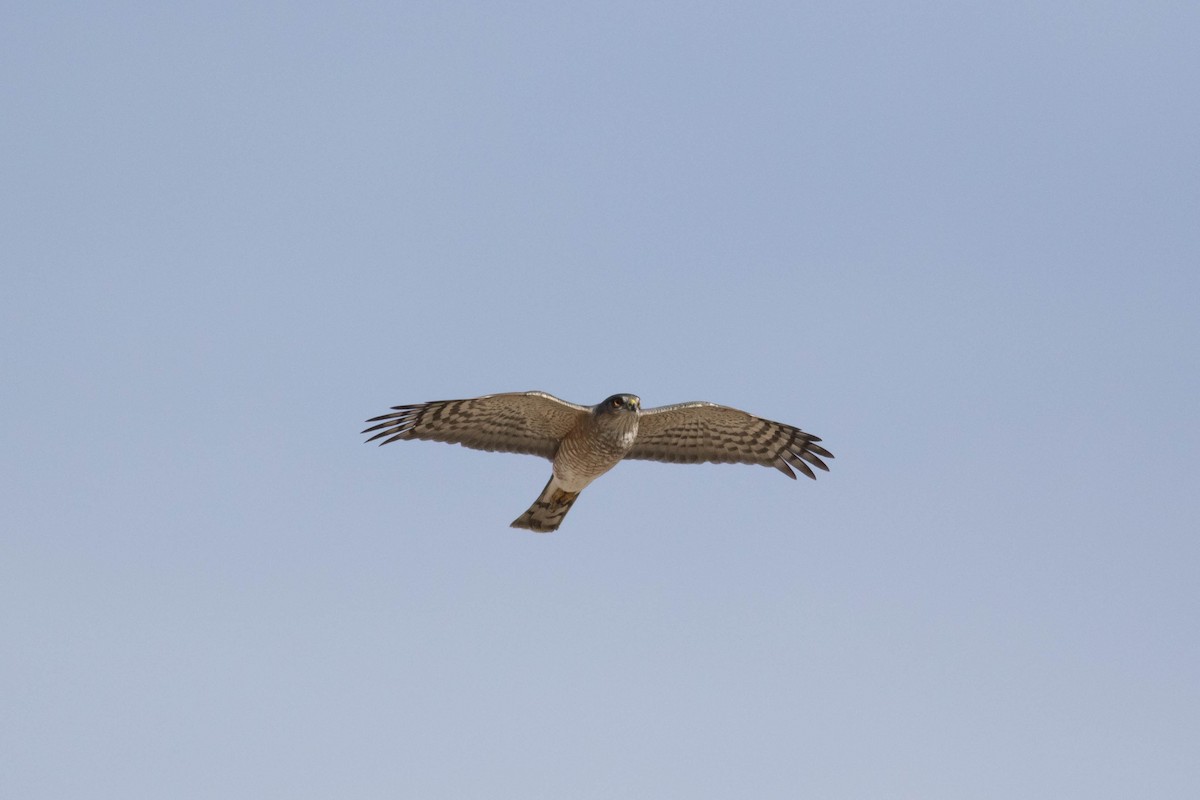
[(547, 512)]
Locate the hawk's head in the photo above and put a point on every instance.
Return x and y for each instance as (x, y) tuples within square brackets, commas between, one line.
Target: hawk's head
[(620, 403)]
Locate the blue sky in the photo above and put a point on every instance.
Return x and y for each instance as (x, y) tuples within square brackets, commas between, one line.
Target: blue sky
[(958, 241)]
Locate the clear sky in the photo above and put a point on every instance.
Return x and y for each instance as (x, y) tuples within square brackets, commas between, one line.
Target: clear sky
[(959, 241)]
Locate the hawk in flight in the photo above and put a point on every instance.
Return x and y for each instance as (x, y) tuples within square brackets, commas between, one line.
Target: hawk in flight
[(584, 442)]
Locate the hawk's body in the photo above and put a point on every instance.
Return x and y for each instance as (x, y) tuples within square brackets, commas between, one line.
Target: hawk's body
[(585, 442)]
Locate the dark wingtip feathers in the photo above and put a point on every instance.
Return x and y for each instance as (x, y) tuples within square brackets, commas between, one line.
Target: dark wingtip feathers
[(396, 425), (816, 448), (783, 467), (802, 453)]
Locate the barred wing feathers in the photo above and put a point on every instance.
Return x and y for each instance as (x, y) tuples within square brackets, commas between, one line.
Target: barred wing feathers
[(693, 433), (521, 422)]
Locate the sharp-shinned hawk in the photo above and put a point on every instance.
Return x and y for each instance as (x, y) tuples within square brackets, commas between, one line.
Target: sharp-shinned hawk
[(585, 442)]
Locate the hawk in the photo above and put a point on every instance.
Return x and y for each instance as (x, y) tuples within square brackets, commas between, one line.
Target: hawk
[(584, 442)]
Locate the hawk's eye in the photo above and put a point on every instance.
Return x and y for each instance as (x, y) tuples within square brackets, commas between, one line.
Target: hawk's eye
[(616, 402)]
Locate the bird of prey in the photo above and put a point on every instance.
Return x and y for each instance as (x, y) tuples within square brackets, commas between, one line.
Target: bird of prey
[(584, 442)]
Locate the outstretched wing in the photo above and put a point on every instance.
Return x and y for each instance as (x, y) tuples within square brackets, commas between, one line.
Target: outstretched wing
[(520, 422), (691, 433)]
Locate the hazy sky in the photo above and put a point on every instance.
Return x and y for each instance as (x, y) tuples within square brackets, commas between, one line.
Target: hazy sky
[(958, 241)]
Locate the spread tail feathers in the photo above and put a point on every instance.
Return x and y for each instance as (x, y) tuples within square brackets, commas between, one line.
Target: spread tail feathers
[(547, 512)]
